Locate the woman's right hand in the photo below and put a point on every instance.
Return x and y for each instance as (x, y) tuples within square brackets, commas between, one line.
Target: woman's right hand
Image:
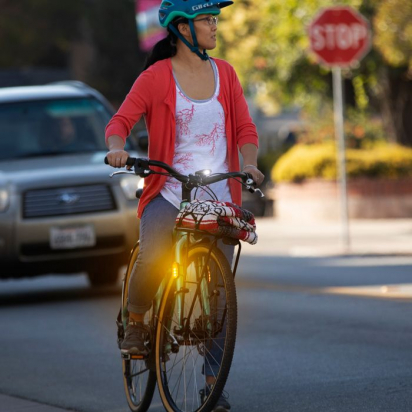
[(117, 157)]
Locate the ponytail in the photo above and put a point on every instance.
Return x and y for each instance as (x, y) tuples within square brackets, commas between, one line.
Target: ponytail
[(166, 47)]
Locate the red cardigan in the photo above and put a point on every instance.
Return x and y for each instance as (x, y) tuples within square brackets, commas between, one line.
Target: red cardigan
[(154, 95)]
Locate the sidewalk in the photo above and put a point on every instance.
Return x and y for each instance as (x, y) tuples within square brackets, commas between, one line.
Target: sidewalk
[(323, 238)]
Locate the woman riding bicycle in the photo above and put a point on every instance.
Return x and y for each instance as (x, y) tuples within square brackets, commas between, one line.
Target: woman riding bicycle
[(197, 118)]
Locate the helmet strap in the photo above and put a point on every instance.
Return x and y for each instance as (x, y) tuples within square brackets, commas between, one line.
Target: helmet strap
[(193, 47)]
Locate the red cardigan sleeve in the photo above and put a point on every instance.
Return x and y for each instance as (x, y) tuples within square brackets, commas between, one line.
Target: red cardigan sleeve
[(245, 128), (137, 103)]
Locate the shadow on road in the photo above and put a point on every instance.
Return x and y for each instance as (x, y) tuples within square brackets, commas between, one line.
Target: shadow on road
[(49, 289)]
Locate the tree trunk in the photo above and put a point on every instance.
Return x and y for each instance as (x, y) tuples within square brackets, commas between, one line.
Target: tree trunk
[(82, 52), (395, 100)]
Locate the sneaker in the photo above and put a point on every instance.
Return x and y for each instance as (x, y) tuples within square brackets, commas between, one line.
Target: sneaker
[(222, 405), (136, 335)]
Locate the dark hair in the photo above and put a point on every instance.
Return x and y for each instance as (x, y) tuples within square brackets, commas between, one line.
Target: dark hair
[(166, 47)]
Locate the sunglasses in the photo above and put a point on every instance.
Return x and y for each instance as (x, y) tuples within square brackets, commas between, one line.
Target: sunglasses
[(211, 20)]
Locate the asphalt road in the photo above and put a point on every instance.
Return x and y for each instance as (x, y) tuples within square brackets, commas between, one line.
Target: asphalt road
[(311, 337)]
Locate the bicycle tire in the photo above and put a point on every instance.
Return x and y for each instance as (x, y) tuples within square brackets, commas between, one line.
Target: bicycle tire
[(139, 389), (195, 337)]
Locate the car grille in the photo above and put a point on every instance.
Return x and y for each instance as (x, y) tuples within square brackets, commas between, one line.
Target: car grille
[(67, 201)]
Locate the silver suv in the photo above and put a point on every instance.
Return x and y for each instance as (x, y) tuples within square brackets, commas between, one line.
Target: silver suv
[(59, 210)]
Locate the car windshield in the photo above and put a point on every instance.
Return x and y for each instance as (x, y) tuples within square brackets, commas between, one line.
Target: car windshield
[(50, 127)]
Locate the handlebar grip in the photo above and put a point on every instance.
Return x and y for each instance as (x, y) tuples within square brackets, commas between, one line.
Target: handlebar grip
[(129, 162)]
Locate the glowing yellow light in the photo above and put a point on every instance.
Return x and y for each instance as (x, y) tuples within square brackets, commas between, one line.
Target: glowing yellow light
[(175, 270)]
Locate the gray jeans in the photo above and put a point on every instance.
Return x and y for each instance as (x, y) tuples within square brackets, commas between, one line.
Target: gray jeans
[(154, 257)]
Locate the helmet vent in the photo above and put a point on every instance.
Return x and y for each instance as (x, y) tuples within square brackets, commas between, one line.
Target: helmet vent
[(167, 4)]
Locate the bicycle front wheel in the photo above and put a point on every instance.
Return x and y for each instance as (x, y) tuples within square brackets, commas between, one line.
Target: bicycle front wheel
[(195, 335), (139, 376)]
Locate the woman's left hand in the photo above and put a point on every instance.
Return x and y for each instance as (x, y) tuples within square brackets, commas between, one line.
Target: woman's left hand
[(257, 175)]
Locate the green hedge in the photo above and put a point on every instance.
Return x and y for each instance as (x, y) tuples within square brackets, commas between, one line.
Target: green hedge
[(319, 161)]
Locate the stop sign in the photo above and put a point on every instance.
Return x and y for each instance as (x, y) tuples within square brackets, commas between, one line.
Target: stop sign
[(339, 36)]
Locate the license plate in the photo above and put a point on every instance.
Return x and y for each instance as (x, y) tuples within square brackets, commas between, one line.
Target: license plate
[(72, 237)]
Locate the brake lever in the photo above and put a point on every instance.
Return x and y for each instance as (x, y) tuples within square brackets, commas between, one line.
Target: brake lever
[(260, 192), (122, 172), (138, 172), (251, 189)]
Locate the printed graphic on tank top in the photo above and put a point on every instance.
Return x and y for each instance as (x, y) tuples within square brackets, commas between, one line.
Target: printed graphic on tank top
[(200, 144)]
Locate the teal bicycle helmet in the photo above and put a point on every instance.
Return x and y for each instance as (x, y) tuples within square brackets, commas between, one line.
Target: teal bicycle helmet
[(189, 9)]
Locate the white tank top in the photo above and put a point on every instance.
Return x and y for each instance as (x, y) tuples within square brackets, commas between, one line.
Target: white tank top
[(200, 144)]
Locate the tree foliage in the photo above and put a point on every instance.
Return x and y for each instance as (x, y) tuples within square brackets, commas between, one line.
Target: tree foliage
[(38, 32), (393, 28), (267, 42), (99, 36)]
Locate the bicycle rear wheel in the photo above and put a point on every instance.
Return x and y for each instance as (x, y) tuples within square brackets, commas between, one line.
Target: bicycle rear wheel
[(204, 345), (139, 376)]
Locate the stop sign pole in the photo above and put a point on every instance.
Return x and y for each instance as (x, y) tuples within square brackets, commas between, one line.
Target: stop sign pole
[(340, 137), (340, 36)]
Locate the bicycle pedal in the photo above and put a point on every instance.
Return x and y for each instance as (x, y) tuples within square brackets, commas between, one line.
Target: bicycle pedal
[(131, 356)]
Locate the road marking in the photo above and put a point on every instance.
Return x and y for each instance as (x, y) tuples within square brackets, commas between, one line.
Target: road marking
[(398, 291), (360, 261)]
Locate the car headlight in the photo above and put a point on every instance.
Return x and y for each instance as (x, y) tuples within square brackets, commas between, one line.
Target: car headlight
[(4, 199), (130, 184)]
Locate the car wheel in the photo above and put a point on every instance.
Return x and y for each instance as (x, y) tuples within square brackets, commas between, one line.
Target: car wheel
[(103, 276)]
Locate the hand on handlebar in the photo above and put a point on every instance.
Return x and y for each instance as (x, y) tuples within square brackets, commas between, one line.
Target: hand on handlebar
[(117, 158), (256, 174)]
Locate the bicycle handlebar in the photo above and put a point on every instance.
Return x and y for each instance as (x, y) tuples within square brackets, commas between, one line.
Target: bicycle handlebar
[(142, 169)]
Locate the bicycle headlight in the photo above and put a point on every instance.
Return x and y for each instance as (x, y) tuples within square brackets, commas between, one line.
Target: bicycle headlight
[(4, 199), (204, 172), (130, 184)]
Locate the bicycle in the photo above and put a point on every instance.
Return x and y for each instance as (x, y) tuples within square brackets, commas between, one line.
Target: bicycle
[(193, 318)]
